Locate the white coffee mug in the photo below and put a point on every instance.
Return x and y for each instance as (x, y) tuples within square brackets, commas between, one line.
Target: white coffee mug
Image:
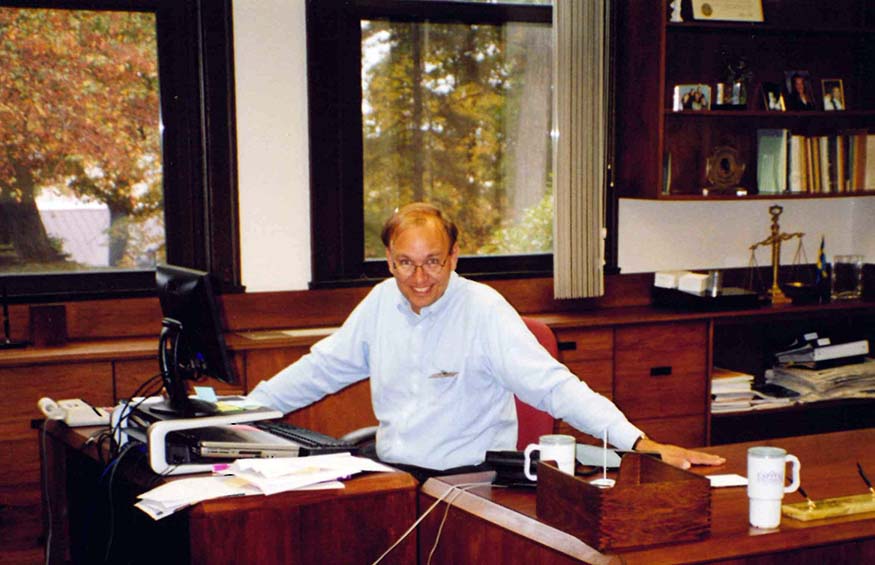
[(554, 447), (765, 483)]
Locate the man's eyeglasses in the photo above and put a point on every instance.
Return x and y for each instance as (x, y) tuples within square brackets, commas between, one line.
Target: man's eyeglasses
[(432, 266)]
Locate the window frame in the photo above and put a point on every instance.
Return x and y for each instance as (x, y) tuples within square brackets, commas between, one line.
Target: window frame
[(335, 132), (199, 153)]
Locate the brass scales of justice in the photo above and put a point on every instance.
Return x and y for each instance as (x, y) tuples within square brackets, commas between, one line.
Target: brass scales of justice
[(775, 240)]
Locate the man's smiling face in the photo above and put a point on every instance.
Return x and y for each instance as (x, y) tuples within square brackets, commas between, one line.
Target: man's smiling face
[(418, 245)]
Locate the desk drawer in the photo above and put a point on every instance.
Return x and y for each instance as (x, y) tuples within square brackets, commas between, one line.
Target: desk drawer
[(585, 344), (660, 369), (589, 354)]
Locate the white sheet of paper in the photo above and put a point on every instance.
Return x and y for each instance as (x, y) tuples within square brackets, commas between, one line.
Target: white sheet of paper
[(728, 480)]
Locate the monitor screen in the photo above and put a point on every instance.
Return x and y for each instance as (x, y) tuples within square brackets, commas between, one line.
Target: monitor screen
[(192, 344)]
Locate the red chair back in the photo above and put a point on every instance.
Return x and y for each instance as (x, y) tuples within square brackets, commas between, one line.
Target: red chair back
[(534, 423)]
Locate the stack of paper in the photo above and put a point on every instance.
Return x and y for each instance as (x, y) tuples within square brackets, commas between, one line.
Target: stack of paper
[(246, 477), (856, 380), (730, 391), (175, 495)]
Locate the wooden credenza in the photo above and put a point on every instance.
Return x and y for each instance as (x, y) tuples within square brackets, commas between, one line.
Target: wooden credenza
[(657, 373)]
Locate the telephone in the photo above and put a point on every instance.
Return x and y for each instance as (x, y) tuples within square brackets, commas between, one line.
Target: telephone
[(74, 412)]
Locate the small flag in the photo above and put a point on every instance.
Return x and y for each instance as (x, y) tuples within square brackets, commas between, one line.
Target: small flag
[(821, 263)]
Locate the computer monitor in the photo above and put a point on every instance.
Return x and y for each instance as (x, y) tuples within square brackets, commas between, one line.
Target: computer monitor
[(192, 344)]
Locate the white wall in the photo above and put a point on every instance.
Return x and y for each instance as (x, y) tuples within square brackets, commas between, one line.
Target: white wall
[(270, 59), (271, 68), (700, 235)]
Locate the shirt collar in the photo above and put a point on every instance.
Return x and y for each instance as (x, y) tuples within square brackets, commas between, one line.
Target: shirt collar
[(433, 309)]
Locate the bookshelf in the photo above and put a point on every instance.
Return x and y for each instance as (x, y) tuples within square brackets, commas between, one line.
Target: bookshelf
[(664, 152)]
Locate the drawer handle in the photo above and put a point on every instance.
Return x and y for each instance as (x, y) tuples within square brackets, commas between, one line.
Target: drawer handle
[(660, 371), (567, 345)]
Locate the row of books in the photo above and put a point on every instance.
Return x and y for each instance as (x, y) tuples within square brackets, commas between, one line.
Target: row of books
[(792, 163)]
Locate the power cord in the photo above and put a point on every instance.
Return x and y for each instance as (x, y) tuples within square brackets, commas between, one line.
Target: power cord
[(458, 489), (116, 463), (45, 477)]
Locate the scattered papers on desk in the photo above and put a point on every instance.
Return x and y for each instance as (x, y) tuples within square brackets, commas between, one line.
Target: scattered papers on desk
[(166, 499), (246, 477), (280, 474)]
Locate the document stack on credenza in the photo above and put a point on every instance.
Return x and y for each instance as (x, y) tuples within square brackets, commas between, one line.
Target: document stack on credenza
[(818, 369), (816, 352), (730, 391), (853, 380)]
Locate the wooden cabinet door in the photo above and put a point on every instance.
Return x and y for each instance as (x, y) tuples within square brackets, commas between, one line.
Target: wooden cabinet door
[(661, 371)]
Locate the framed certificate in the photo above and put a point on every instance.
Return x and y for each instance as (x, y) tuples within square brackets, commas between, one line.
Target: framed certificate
[(728, 10)]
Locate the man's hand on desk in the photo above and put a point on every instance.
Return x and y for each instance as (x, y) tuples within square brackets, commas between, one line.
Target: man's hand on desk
[(678, 456)]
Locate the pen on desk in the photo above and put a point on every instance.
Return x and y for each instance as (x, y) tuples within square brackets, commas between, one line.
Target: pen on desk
[(96, 411), (865, 478), (811, 503)]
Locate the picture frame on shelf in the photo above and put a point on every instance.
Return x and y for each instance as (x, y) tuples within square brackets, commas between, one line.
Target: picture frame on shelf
[(833, 94), (691, 97), (800, 94), (773, 97), (728, 10)]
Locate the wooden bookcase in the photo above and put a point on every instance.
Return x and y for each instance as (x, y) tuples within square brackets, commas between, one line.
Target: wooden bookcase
[(653, 55)]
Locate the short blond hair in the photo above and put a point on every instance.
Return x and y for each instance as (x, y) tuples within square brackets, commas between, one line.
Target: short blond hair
[(417, 214)]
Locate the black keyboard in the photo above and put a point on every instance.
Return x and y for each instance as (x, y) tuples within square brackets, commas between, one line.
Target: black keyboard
[(312, 443)]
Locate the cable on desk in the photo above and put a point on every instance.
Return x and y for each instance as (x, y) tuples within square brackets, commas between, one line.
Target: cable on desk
[(130, 406), (458, 491), (454, 488)]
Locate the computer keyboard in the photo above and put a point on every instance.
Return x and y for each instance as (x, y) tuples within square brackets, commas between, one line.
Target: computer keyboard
[(312, 443)]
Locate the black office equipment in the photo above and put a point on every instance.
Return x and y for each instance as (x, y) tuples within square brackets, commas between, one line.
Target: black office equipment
[(192, 343), (311, 442)]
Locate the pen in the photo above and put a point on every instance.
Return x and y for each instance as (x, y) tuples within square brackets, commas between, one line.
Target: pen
[(96, 411), (811, 503), (865, 478)]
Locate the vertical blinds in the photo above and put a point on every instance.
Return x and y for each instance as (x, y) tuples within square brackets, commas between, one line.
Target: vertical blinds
[(580, 136)]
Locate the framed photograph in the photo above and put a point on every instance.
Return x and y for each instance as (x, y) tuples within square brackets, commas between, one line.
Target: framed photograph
[(728, 10), (773, 96), (833, 94), (800, 95), (691, 97)]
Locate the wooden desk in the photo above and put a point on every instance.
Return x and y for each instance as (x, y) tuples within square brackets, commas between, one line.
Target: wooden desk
[(495, 525), (352, 525)]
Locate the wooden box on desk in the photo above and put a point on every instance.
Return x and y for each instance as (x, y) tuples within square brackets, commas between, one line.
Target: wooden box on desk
[(651, 502)]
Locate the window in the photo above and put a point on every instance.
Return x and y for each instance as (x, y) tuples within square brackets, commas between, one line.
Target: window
[(447, 102), (117, 123)]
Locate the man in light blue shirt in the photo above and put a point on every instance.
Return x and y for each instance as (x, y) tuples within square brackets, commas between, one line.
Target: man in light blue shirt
[(445, 355)]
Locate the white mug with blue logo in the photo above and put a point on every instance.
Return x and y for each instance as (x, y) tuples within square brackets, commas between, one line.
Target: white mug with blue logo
[(765, 483)]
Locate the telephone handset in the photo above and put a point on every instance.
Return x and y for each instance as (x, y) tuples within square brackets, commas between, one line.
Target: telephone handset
[(73, 412)]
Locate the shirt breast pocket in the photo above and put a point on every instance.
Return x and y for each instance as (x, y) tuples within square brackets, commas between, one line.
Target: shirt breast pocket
[(468, 374)]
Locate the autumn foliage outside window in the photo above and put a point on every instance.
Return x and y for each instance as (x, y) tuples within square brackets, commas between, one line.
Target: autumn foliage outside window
[(80, 165), (459, 115)]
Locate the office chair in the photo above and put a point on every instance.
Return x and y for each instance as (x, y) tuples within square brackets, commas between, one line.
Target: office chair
[(532, 423)]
